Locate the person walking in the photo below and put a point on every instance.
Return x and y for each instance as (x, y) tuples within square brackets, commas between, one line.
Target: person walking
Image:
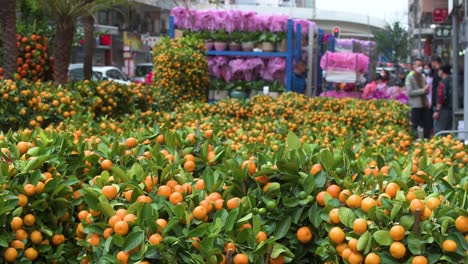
[(443, 110), (418, 89), (428, 72), (436, 63)]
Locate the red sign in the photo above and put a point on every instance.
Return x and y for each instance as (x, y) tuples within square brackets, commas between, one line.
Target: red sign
[(439, 15)]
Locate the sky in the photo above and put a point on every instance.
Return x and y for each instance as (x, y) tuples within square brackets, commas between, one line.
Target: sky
[(389, 10)]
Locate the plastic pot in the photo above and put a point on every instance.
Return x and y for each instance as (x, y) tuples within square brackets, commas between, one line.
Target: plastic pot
[(220, 46), (238, 94)]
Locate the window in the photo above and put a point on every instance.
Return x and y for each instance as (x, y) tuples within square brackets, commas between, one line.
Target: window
[(102, 18), (115, 74), (76, 75), (143, 70)]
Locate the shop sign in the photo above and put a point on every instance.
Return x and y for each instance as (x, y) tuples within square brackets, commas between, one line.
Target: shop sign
[(443, 32), (439, 15)]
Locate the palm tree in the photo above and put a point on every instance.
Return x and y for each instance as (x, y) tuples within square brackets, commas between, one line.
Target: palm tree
[(89, 44), (65, 14), (8, 26)]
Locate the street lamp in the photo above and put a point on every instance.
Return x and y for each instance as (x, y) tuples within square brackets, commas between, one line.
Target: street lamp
[(433, 26)]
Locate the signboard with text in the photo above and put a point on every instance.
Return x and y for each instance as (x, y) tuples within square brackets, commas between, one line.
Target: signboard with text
[(443, 32), (439, 15)]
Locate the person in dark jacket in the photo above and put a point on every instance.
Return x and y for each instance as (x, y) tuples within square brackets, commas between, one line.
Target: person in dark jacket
[(436, 63), (298, 78), (443, 111), (417, 90)]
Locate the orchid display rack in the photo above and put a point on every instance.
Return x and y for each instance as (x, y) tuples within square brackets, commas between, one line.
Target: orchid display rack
[(292, 39)]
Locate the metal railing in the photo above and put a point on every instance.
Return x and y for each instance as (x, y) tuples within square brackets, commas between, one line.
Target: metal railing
[(443, 132)]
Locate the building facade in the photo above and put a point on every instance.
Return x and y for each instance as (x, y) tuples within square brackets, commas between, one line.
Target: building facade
[(125, 36), (438, 27), (430, 28)]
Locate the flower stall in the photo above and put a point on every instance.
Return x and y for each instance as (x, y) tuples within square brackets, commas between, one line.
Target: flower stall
[(344, 67), (344, 64), (244, 47)]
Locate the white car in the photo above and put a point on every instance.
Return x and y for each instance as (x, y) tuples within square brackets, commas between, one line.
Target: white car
[(111, 73), (75, 73)]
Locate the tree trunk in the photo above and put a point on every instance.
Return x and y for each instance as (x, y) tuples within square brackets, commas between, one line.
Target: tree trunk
[(62, 50), (90, 42), (8, 25)]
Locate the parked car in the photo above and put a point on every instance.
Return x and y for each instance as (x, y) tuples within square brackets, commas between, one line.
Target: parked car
[(75, 73), (141, 72), (111, 73)]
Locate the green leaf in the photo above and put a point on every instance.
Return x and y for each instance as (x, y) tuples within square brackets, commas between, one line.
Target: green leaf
[(107, 245), (231, 220), (363, 241), (243, 235), (105, 207), (179, 211), (293, 141), (35, 162), (445, 224), (320, 179), (200, 230), (327, 159), (282, 228), (51, 185), (119, 174), (382, 237), (136, 172), (309, 184), (346, 216), (314, 215), (133, 240), (256, 224), (395, 210), (91, 201), (118, 240), (279, 249), (170, 225), (4, 240), (147, 214), (245, 218), (416, 244), (407, 221)]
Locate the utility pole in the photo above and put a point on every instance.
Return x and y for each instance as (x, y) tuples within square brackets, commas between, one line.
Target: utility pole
[(455, 50), (465, 95), (418, 22)]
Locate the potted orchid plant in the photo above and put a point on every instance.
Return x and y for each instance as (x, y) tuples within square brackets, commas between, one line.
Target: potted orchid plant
[(267, 41), (238, 90), (280, 40), (218, 89), (248, 40), (276, 88), (208, 39), (235, 41), (220, 38), (256, 87)]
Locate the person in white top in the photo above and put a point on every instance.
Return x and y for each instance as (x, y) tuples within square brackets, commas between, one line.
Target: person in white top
[(429, 73)]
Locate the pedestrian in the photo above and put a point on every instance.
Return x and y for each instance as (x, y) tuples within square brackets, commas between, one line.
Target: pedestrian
[(400, 80), (436, 63), (417, 91), (429, 73), (443, 110), (298, 78), (385, 76)]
